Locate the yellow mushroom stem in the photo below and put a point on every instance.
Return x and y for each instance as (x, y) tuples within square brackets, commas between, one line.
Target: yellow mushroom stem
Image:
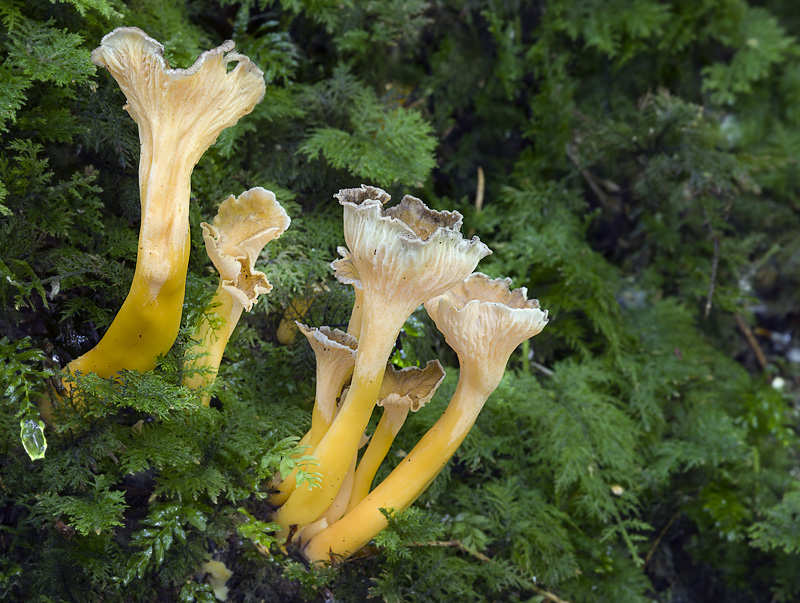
[(335, 353), (354, 326), (339, 505), (278, 479), (286, 485), (403, 390), (337, 447), (240, 231), (179, 114), (147, 323), (410, 478), (212, 334), (394, 415), (325, 410), (337, 509)]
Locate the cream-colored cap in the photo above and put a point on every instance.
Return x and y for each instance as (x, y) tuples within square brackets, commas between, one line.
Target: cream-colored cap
[(242, 227), (411, 386), (484, 321), (407, 253), (191, 105)]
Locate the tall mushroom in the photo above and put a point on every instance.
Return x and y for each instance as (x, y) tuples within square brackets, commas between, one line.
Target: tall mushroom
[(483, 321), (242, 227), (180, 113), (403, 256)]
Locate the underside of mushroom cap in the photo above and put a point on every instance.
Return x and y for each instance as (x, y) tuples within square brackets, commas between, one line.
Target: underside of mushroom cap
[(242, 227), (363, 194), (210, 96), (408, 252), (484, 320), (411, 386), (422, 220), (325, 339)]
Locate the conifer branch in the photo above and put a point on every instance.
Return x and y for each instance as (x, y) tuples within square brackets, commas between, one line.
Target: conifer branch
[(460, 546)]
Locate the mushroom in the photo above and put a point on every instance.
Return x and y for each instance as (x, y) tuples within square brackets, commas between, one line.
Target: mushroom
[(408, 389), (483, 321), (180, 113), (242, 227), (335, 353), (403, 256)]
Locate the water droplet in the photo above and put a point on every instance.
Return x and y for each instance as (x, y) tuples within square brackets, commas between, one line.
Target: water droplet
[(32, 436)]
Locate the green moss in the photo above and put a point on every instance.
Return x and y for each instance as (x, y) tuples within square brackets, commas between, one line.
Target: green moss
[(640, 163)]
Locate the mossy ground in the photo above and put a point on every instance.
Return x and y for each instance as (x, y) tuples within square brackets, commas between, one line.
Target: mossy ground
[(640, 178)]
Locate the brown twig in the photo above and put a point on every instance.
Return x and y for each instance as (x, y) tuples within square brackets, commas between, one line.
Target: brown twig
[(715, 238), (453, 544), (751, 339), (479, 191), (661, 535), (714, 265), (460, 546), (589, 178)]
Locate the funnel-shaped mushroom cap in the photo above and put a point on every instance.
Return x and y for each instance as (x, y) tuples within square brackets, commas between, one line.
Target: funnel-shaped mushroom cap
[(335, 351), (242, 227), (194, 104), (412, 386), (484, 321), (330, 345), (407, 253)]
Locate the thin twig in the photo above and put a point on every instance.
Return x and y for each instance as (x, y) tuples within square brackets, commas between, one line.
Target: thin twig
[(715, 237), (714, 265), (589, 178), (456, 544), (751, 339), (453, 544), (661, 535), (479, 191), (542, 368)]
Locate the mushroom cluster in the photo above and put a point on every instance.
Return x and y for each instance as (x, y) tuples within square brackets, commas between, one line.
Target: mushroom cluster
[(179, 113), (397, 259), (242, 227)]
